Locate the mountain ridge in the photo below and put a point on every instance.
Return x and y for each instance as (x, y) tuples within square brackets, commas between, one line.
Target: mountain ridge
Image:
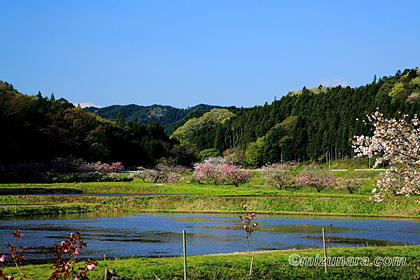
[(167, 116)]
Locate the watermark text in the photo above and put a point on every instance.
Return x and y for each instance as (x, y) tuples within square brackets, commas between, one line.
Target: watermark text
[(296, 260)]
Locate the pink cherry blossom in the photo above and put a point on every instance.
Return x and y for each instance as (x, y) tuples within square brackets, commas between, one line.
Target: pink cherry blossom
[(232, 174), (316, 178), (206, 171), (3, 258), (91, 266)]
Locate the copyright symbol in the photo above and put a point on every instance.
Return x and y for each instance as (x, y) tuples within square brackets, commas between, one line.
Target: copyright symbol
[(294, 259)]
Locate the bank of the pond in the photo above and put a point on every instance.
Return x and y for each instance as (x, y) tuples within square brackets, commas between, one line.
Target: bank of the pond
[(34, 210), (378, 263), (339, 206), (39, 190)]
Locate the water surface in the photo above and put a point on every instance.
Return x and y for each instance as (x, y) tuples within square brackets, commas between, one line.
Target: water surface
[(156, 235)]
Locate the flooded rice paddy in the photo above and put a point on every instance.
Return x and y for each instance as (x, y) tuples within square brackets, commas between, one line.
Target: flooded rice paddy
[(159, 235)]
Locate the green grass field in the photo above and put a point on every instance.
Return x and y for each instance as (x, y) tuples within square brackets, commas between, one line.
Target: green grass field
[(266, 265)]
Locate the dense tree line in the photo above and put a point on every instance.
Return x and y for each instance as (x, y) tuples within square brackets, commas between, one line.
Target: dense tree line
[(312, 123), (38, 129)]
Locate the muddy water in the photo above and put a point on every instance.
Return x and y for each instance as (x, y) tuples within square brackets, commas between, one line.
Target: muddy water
[(156, 235)]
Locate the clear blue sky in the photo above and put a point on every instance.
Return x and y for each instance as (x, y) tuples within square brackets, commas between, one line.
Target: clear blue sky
[(183, 53)]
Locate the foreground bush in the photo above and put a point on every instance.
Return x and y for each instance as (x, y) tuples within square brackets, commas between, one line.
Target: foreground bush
[(66, 254)]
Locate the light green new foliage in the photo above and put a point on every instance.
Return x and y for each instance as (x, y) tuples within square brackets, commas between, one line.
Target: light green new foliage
[(254, 152), (395, 89), (213, 117), (415, 81)]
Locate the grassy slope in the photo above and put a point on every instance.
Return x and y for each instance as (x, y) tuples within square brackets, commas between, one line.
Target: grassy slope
[(283, 204)]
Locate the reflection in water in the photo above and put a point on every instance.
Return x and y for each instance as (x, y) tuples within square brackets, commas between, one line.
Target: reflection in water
[(158, 235)]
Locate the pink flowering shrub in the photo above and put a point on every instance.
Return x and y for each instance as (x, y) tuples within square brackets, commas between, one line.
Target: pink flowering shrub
[(320, 180), (232, 174), (206, 171), (226, 172), (116, 167)]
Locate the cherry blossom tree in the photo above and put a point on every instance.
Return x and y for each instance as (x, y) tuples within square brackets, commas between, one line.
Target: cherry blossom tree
[(206, 171), (316, 178), (232, 174), (396, 142), (277, 174)]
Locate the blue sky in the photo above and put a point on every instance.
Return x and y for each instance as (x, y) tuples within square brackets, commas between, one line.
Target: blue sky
[(183, 53)]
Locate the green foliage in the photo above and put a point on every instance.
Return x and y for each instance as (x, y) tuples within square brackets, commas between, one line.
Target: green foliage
[(313, 125), (207, 153), (255, 152), (397, 87), (37, 129), (119, 121), (215, 116)]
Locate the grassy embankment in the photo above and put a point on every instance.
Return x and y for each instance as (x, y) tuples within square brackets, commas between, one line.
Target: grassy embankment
[(283, 204), (276, 202), (267, 265), (194, 197)]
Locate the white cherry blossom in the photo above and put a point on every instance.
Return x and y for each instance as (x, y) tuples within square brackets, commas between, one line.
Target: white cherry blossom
[(397, 142)]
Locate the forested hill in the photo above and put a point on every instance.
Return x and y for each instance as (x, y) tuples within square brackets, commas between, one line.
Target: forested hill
[(166, 116), (39, 129), (309, 124)]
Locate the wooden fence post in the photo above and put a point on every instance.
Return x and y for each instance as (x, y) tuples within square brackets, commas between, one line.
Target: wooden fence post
[(185, 254), (325, 252)]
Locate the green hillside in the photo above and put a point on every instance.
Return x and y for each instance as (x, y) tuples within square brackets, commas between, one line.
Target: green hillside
[(37, 129), (309, 124), (166, 116)]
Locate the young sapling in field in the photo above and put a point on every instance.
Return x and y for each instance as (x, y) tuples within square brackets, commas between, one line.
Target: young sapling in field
[(66, 254), (249, 226)]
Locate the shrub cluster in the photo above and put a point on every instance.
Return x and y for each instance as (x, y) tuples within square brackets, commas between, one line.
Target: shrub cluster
[(223, 172)]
